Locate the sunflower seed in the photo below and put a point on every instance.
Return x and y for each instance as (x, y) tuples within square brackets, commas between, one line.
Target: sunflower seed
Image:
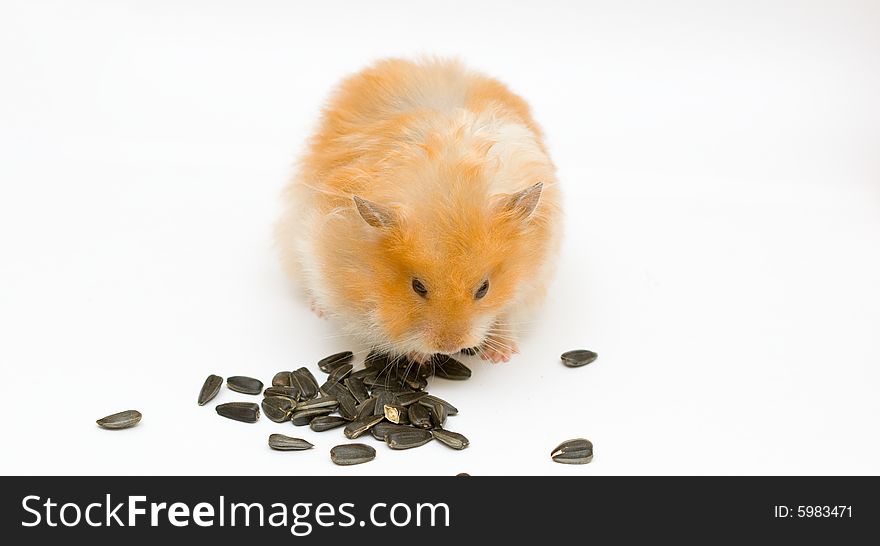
[(326, 422), (416, 383), (383, 428), (428, 400), (333, 389), (281, 379), (277, 408), (307, 382), (470, 351), (366, 408), (339, 373), (288, 392), (281, 402), (406, 439), (449, 368), (244, 385), (372, 381), (578, 358), (376, 361), (348, 407), (357, 388), (392, 387), (419, 416), (438, 414), (392, 375), (123, 419), (451, 439), (391, 382), (382, 391), (396, 414), (297, 381), (577, 451), (357, 428), (210, 389), (246, 412), (308, 374), (349, 454), (304, 417), (383, 398), (323, 402), (328, 363), (360, 374), (408, 398), (288, 443), (347, 402)]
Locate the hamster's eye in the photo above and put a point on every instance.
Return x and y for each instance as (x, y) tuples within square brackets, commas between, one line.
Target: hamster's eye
[(481, 291), (419, 288)]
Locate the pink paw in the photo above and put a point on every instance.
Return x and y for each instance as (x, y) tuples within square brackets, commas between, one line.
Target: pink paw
[(313, 305), (496, 351)]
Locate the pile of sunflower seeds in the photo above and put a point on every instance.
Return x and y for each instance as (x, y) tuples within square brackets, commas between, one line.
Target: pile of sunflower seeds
[(386, 399)]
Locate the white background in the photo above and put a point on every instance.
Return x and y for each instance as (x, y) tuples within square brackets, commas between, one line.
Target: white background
[(722, 184)]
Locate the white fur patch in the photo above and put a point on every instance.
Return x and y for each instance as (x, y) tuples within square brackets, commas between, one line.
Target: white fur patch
[(518, 154)]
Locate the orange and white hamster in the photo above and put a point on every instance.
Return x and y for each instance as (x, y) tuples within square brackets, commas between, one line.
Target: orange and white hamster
[(425, 214)]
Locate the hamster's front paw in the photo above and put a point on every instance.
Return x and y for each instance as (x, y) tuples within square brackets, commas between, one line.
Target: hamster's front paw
[(313, 305), (497, 349)]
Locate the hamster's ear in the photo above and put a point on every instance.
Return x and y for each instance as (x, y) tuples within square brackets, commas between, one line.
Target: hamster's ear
[(521, 204), (374, 214)]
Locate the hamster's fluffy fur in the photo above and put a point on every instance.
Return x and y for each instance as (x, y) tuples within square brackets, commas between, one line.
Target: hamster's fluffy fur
[(424, 170)]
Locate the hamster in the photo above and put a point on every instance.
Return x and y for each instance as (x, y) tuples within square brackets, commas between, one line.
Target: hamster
[(425, 214)]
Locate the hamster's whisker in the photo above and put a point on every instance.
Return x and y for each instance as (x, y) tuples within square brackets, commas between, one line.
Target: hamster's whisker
[(508, 323), (497, 345), (409, 365), (484, 353), (379, 348), (389, 346), (492, 343), (392, 362), (363, 351), (497, 329), (501, 335), (508, 326)]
